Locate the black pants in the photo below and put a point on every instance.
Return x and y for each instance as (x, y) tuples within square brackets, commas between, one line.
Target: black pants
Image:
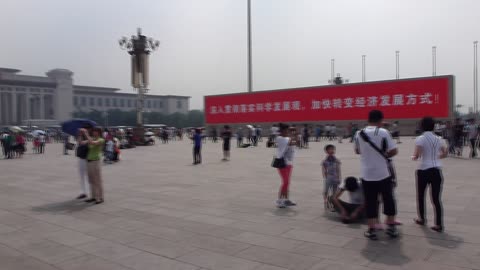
[(371, 191), (434, 178), (239, 142), (474, 150), (42, 148), (197, 155)]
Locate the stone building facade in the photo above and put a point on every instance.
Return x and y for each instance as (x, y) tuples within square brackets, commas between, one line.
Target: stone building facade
[(25, 98)]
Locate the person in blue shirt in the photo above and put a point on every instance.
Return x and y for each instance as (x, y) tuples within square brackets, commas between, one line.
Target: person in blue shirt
[(197, 146)]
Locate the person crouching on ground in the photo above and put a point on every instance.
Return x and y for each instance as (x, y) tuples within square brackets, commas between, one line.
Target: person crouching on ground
[(353, 211)]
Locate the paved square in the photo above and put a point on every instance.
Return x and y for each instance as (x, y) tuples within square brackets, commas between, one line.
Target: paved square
[(161, 212)]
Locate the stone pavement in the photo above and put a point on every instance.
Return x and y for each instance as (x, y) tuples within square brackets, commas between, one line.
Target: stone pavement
[(163, 213)]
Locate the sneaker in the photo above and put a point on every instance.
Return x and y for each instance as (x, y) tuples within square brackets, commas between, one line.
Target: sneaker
[(392, 231), (371, 234), (290, 203), (281, 203)]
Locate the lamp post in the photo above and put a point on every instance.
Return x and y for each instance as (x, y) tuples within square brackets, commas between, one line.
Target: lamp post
[(363, 69), (397, 65), (434, 61), (139, 47), (249, 45), (475, 78), (332, 71)]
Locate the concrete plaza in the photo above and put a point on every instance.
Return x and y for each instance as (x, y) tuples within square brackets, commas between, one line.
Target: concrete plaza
[(161, 212)]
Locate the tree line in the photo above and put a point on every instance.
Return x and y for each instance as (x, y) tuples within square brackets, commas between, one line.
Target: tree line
[(115, 117)]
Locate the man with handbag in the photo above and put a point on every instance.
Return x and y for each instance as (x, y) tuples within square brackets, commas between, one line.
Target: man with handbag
[(377, 172)]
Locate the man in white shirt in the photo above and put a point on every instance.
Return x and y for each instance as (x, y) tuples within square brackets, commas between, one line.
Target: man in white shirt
[(375, 173), (42, 140)]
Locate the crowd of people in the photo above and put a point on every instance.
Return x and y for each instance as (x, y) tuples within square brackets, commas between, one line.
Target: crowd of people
[(375, 144), (376, 185), (14, 143)]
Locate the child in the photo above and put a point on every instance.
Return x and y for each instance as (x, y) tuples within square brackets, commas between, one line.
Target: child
[(352, 211), (331, 172)]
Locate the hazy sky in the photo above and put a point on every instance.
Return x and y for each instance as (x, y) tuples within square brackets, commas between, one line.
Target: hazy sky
[(203, 42)]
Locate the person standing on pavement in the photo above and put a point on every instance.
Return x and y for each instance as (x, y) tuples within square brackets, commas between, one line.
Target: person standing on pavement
[(285, 149), (376, 175), (239, 137), (95, 149), (226, 136), (81, 153), (472, 138), (430, 148), (197, 146), (42, 140)]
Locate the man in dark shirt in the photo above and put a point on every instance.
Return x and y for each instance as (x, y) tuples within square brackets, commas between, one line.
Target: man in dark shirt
[(458, 136), (226, 136)]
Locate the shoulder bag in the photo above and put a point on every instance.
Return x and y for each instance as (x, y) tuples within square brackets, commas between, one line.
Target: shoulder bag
[(390, 166)]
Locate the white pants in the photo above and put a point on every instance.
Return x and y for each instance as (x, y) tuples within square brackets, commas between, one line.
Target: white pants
[(82, 168)]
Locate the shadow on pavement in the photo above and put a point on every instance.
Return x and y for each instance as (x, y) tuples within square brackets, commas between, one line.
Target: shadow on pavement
[(62, 207)]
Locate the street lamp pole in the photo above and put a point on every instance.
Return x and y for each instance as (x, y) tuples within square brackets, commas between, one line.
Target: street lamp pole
[(397, 64), (139, 47), (249, 45), (475, 78), (363, 69), (332, 70), (434, 61)]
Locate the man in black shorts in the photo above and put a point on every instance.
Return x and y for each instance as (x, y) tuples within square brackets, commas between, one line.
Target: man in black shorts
[(226, 136), (377, 178)]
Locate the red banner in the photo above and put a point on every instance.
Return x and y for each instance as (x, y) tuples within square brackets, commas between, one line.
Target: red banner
[(400, 99)]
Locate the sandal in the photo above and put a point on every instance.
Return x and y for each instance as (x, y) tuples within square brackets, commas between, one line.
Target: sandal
[(420, 222)]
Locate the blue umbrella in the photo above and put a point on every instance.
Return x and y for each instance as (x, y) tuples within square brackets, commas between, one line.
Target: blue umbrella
[(71, 127)]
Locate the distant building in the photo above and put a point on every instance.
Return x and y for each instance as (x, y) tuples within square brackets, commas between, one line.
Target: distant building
[(25, 99)]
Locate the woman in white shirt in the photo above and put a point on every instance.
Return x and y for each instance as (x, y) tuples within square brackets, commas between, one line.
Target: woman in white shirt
[(285, 149), (430, 148)]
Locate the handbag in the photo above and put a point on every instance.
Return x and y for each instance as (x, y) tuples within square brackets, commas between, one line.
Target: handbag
[(82, 151), (280, 163), (391, 168), (70, 146)]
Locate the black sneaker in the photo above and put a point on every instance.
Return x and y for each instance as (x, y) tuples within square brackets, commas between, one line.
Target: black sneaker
[(371, 234), (392, 231)]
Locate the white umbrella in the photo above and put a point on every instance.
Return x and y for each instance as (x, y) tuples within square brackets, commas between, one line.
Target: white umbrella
[(249, 126), (149, 133), (38, 132), (16, 129)]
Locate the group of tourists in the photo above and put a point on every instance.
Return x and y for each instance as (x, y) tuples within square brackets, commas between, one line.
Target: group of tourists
[(377, 182), (459, 134), (14, 144)]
